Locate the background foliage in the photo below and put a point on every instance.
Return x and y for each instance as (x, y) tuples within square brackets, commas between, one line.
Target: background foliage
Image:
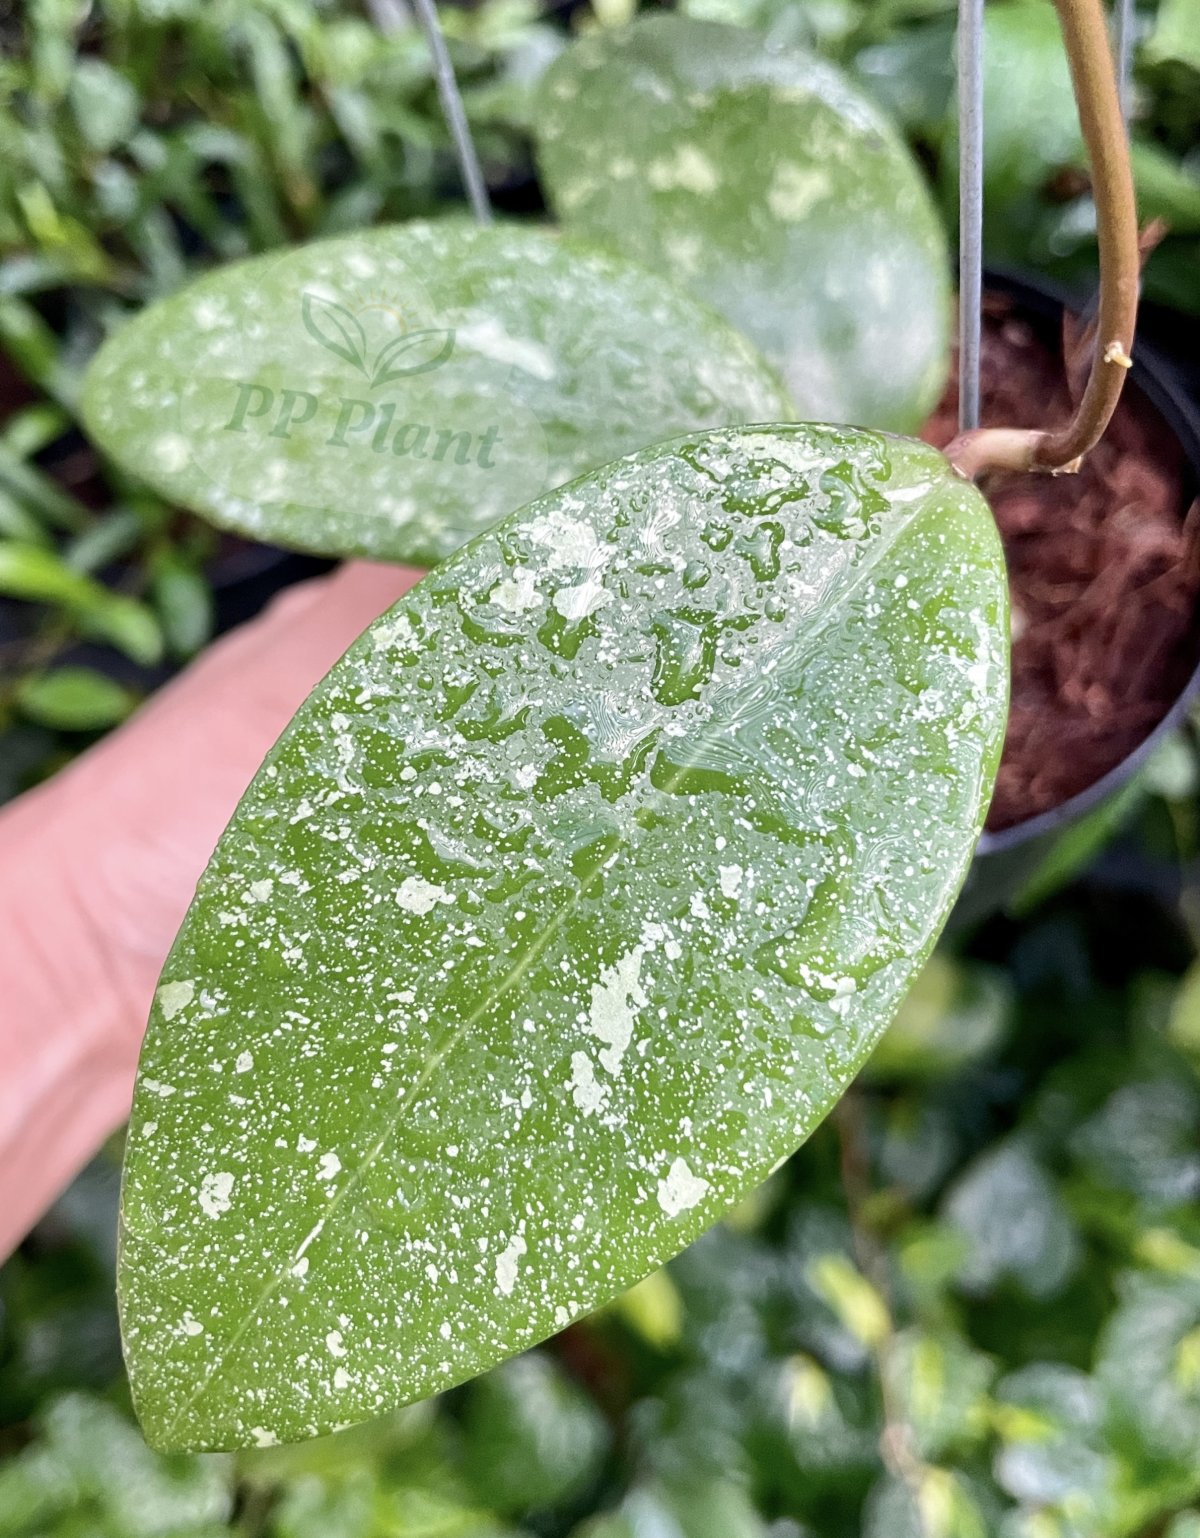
[(971, 1305)]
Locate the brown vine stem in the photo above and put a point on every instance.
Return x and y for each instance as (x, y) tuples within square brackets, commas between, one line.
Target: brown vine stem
[(1094, 78)]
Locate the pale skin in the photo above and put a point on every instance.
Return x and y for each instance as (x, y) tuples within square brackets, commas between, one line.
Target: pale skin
[(97, 868)]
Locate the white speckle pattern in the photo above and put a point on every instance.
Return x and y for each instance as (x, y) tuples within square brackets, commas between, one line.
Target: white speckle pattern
[(795, 190), (616, 999), (506, 1264), (586, 1091), (681, 1190), (416, 895), (501, 1105), (517, 594), (172, 997), (688, 168), (216, 1193)]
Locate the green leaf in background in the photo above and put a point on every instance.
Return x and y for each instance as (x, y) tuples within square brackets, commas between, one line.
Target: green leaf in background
[(37, 574), (105, 103), (533, 1438), (767, 182), (1166, 189), (184, 602), (565, 908), (705, 1506), (394, 393), (954, 1016), (1055, 1456), (1018, 1227), (90, 1462), (74, 699), (1176, 34)]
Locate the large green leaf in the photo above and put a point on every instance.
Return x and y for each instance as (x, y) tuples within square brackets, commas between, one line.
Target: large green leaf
[(564, 909), (394, 393), (765, 180)]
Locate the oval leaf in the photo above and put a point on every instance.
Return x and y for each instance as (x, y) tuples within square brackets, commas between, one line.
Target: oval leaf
[(765, 181), (394, 393), (562, 912)]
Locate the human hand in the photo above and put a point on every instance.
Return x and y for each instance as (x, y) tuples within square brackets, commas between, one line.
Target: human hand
[(97, 868)]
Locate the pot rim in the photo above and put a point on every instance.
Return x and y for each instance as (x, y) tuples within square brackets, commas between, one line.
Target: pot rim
[(1155, 377)]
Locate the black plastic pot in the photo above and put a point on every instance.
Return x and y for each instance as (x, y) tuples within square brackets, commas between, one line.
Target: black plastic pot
[(1011, 860)]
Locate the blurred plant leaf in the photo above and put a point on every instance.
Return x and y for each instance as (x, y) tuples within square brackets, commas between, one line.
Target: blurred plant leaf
[(1176, 33), (244, 397), (89, 1460), (533, 1438), (1031, 128), (767, 183), (653, 1309), (1017, 1227), (184, 602), (938, 1385), (34, 573), (74, 699), (954, 1016), (105, 103)]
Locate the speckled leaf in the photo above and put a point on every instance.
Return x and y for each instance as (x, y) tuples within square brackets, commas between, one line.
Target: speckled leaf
[(564, 909), (394, 393), (768, 183)]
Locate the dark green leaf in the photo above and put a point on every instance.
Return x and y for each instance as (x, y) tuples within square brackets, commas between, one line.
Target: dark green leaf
[(565, 908), (184, 603), (394, 393), (763, 179), (533, 1437)]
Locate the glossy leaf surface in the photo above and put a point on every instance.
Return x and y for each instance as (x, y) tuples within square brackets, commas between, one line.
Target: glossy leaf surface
[(564, 909), (394, 393), (767, 182)]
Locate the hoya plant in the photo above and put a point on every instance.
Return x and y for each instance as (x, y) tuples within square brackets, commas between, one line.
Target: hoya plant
[(583, 885)]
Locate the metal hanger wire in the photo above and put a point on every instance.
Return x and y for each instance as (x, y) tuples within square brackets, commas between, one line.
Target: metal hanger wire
[(454, 112), (970, 209)]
